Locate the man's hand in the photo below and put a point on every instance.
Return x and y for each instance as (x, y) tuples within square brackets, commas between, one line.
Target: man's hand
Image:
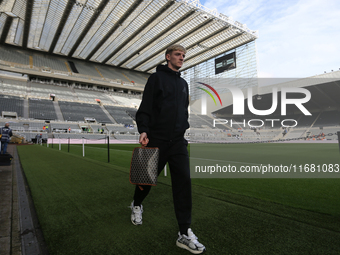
[(143, 139)]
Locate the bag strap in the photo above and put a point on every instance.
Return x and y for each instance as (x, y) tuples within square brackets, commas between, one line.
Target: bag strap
[(139, 186)]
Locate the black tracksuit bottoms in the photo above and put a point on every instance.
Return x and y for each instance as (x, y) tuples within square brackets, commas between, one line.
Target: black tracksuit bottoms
[(174, 152)]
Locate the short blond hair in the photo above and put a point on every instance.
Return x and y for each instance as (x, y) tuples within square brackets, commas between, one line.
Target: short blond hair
[(174, 47)]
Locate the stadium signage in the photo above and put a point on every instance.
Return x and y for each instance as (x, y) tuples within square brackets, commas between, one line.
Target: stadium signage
[(225, 63)]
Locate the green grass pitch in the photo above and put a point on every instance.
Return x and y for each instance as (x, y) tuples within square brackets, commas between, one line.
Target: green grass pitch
[(82, 204)]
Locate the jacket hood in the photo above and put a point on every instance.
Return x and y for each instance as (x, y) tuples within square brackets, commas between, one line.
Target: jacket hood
[(165, 68)]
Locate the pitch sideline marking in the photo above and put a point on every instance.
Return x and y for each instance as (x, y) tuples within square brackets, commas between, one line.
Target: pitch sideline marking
[(249, 163)]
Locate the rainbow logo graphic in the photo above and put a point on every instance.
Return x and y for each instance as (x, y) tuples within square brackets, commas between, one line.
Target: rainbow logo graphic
[(209, 93)]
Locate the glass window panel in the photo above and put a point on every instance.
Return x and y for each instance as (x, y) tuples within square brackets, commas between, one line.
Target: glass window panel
[(3, 18), (52, 22), (143, 39), (12, 31), (100, 27), (7, 5), (37, 21), (19, 8), (71, 21), (19, 33), (143, 17), (80, 24), (164, 39), (115, 15), (195, 37), (110, 44)]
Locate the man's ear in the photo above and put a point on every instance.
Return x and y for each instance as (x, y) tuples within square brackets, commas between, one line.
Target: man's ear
[(167, 56)]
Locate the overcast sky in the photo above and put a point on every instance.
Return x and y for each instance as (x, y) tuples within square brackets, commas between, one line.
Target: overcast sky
[(296, 38)]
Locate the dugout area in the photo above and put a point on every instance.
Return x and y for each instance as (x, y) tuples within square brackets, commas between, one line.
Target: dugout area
[(82, 207)]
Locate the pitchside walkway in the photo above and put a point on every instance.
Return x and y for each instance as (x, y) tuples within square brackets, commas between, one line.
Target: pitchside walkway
[(18, 233), (9, 216)]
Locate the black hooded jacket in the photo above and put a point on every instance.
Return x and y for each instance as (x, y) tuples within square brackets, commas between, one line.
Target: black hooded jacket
[(163, 112)]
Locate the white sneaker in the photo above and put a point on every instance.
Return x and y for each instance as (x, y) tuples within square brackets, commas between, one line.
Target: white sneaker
[(136, 214), (190, 242)]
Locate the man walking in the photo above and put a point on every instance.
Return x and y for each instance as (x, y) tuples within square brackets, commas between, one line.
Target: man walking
[(6, 134), (162, 120)]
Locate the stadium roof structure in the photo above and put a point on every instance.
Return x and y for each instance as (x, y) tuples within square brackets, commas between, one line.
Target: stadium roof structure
[(131, 34)]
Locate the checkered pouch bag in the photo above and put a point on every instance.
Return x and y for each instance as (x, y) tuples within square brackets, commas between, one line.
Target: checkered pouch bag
[(144, 166)]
